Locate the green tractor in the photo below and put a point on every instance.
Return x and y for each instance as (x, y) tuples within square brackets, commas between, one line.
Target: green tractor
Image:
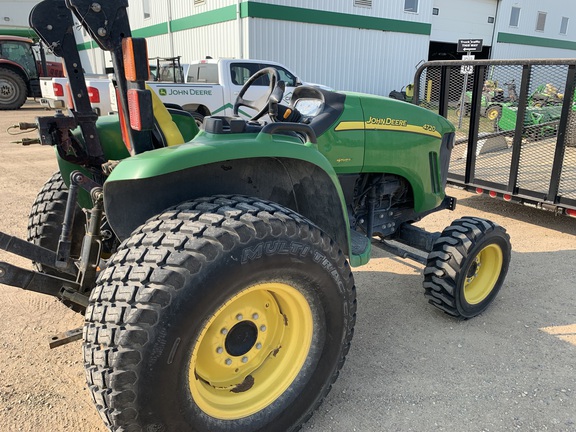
[(492, 102), (213, 266), (542, 116)]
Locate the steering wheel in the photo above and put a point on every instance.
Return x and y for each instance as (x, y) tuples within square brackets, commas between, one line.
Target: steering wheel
[(272, 96)]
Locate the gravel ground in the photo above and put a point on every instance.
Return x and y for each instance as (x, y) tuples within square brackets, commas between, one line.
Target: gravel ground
[(411, 367)]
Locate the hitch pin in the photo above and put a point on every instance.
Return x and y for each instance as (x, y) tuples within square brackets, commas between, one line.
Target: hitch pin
[(27, 141)]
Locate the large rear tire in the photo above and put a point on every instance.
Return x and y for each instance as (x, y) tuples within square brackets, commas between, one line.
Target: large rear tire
[(45, 225), (224, 313), (467, 266), (46, 218), (13, 91)]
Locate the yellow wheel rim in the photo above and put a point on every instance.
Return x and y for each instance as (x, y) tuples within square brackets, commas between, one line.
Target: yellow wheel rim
[(250, 351), (493, 114), (483, 274)]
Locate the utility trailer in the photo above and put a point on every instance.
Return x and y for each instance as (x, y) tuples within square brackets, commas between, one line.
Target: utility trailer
[(530, 162)]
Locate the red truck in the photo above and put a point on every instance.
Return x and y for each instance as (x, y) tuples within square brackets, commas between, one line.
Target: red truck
[(20, 71)]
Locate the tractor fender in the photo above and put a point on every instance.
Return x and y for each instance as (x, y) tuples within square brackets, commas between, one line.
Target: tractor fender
[(276, 168), (15, 67)]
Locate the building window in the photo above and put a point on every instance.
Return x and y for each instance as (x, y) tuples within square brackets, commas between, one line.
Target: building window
[(363, 3), (514, 16), (435, 11), (411, 6), (199, 2), (564, 26), (541, 21), (146, 8), (490, 20)]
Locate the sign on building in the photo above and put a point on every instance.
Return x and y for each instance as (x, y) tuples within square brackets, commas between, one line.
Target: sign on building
[(469, 45)]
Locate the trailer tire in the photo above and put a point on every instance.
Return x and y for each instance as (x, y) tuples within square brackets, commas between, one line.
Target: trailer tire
[(467, 266), (13, 90), (224, 313)]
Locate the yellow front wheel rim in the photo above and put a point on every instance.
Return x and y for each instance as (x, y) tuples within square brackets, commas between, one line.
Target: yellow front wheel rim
[(483, 274), (250, 351), (493, 114)]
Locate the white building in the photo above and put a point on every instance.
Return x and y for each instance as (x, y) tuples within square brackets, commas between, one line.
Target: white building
[(371, 46)]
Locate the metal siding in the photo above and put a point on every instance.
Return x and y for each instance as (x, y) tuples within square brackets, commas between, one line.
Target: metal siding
[(347, 59), (217, 41), (463, 20), (555, 9), (515, 51)]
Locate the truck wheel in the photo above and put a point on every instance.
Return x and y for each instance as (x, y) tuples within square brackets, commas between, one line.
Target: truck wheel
[(467, 266), (13, 91), (223, 313), (199, 118)]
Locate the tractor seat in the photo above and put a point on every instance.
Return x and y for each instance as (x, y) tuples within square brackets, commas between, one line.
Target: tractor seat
[(171, 126)]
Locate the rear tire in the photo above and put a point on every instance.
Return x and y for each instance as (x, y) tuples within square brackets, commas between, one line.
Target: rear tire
[(13, 90), (467, 267), (46, 218), (45, 225), (223, 313)]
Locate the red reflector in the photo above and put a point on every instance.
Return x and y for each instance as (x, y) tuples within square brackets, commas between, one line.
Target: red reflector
[(123, 125), (479, 190), (70, 99), (58, 89), (134, 108), (507, 197), (493, 194), (571, 212), (93, 95)]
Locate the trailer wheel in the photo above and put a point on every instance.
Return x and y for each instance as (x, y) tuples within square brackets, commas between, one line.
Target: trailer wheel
[(224, 313), (467, 266), (13, 91)]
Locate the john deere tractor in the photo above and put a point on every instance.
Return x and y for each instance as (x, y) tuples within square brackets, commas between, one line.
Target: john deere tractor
[(213, 266)]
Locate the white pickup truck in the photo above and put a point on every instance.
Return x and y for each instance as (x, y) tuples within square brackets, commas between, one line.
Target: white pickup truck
[(211, 86), (55, 93)]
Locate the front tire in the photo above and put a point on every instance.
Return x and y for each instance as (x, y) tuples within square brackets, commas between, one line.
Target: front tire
[(225, 313), (467, 267)]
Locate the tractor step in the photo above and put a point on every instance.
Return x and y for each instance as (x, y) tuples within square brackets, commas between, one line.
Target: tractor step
[(359, 242)]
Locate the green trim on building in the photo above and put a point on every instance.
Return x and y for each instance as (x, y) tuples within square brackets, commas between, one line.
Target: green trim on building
[(150, 31), (250, 9), (311, 16), (535, 41), (215, 16)]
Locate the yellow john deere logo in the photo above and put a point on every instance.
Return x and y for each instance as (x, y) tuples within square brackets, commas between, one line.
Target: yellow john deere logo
[(388, 124), (162, 92)]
